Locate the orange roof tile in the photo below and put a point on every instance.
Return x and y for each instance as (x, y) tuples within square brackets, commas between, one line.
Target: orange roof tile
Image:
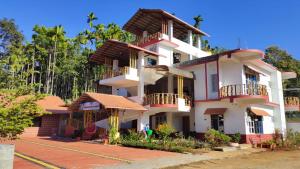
[(108, 101)]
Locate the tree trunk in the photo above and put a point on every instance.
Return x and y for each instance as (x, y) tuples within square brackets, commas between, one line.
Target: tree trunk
[(53, 67), (33, 64), (48, 74)]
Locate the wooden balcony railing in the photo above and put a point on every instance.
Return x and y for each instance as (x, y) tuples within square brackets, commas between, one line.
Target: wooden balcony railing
[(243, 89), (142, 40), (165, 98), (292, 101), (109, 73)]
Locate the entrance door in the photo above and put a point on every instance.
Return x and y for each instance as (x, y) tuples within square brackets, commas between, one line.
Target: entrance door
[(185, 125), (217, 122)]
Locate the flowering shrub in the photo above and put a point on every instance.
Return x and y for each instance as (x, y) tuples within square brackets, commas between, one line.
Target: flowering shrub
[(216, 138)]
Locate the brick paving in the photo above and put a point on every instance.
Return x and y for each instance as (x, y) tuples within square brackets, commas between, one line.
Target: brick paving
[(20, 163), (79, 155)]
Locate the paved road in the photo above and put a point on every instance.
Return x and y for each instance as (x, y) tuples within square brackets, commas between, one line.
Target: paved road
[(79, 154)]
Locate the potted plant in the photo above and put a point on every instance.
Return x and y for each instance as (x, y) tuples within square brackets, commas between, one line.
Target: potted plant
[(15, 117), (235, 140)]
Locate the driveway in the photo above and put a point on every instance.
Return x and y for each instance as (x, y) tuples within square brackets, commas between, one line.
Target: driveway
[(45, 152)]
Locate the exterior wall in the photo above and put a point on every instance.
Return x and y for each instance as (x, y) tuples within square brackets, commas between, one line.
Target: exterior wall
[(165, 55), (49, 126), (230, 73), (211, 70), (199, 83), (268, 121), (295, 126), (234, 117)]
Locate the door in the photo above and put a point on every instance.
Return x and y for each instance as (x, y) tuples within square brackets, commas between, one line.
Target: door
[(186, 125), (217, 122)]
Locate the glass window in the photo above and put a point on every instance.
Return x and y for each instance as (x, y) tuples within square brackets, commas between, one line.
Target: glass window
[(151, 61), (217, 122), (214, 82), (255, 123)]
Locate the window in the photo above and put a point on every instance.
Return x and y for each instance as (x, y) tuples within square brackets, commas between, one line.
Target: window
[(151, 61), (176, 58), (214, 82), (255, 123), (217, 122)]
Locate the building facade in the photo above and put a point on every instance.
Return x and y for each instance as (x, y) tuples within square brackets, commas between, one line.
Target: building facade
[(167, 71)]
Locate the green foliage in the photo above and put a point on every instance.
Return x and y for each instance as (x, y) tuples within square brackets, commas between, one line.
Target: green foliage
[(236, 138), (284, 62), (53, 63), (292, 139), (164, 131), (216, 138), (16, 115)]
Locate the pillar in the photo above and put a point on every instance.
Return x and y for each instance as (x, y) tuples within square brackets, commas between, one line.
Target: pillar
[(141, 75), (170, 29), (180, 86), (190, 37), (198, 42), (142, 121)]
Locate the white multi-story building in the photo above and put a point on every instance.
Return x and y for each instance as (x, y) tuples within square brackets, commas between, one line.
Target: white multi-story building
[(178, 83)]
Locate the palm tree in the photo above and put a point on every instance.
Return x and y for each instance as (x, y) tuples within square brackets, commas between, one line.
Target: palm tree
[(57, 36), (198, 19), (91, 18)]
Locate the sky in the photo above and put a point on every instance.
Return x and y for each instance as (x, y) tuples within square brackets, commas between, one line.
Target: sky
[(249, 24)]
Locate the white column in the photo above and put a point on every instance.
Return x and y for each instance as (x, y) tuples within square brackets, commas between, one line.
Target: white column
[(141, 75), (198, 41), (190, 37), (277, 97), (142, 121), (170, 29)]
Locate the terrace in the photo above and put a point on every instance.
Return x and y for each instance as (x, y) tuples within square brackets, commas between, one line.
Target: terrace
[(292, 103), (244, 92)]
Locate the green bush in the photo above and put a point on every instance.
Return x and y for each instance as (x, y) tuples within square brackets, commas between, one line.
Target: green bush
[(236, 138), (15, 115), (164, 131), (216, 138), (151, 146), (292, 139)]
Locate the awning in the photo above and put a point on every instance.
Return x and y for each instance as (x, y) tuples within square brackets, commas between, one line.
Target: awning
[(171, 70), (108, 101), (259, 112), (215, 111)]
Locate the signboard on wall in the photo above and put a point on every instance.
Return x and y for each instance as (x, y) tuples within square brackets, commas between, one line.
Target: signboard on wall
[(90, 106)]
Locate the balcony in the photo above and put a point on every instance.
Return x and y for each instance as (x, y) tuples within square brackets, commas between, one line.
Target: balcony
[(168, 102), (292, 104), (245, 93), (122, 77), (143, 41)]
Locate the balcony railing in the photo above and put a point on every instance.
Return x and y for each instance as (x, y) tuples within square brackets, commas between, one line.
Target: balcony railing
[(292, 101), (243, 89), (165, 98), (143, 40), (109, 73)]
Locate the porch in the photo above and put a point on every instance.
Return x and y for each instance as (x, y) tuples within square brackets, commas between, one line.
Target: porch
[(292, 104)]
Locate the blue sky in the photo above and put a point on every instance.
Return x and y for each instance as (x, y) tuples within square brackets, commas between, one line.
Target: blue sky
[(257, 23)]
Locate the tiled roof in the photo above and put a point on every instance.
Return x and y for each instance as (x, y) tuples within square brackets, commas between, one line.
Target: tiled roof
[(108, 101)]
